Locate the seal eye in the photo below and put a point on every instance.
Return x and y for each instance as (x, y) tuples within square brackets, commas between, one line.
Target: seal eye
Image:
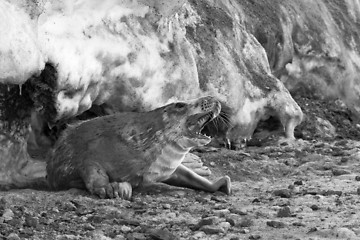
[(180, 105)]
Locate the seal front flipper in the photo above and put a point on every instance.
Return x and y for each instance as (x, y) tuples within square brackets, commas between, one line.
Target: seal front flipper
[(185, 177), (97, 182)]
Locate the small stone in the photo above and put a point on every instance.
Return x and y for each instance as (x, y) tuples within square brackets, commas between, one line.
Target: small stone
[(254, 237), (339, 172), (225, 226), (358, 191), (357, 178), (345, 233), (299, 224), (208, 221), (246, 222), (68, 206), (276, 224), (163, 234), (298, 183), (217, 199), (284, 212), (166, 206), (212, 164), (125, 229), (244, 231), (331, 192), (8, 215), (233, 219), (89, 227), (136, 236), (256, 200), (13, 236), (238, 211), (283, 193), (31, 221), (120, 237), (211, 229), (221, 212), (314, 207)]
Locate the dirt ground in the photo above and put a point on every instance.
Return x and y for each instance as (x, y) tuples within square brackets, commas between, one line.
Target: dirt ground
[(306, 189)]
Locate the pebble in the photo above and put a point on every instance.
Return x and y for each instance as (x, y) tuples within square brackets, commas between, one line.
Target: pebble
[(331, 192), (8, 215), (254, 237), (221, 213), (244, 231), (31, 221), (212, 164), (225, 226), (208, 221), (276, 224), (166, 206), (211, 229), (163, 234), (357, 178), (339, 172), (299, 183), (125, 229), (13, 236), (314, 207), (345, 233), (233, 219), (284, 212), (283, 193), (89, 227), (238, 211), (246, 222)]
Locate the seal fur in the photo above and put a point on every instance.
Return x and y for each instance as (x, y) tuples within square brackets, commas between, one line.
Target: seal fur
[(112, 154)]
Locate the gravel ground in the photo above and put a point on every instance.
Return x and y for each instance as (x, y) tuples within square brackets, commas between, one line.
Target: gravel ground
[(307, 189)]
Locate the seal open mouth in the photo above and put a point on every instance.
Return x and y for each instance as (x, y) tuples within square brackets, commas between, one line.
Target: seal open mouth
[(195, 123)]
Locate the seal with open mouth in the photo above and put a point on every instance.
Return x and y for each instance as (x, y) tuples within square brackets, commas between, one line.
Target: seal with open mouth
[(112, 154)]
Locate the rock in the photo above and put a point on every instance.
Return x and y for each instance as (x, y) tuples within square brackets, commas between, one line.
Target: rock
[(73, 237), (162, 234), (233, 219), (331, 192), (125, 229), (8, 215), (213, 164), (13, 236), (284, 212), (358, 191), (238, 211), (357, 178), (121, 237), (244, 231), (225, 226), (208, 221), (275, 224), (221, 212), (314, 207), (254, 237), (299, 224), (246, 222), (31, 221), (298, 183), (68, 206), (211, 229), (166, 206), (217, 199), (88, 227), (136, 236), (339, 172), (283, 193)]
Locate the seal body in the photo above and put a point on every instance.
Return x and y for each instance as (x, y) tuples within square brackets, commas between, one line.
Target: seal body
[(112, 154)]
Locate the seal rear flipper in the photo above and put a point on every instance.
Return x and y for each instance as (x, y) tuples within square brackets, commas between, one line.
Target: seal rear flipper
[(185, 177)]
